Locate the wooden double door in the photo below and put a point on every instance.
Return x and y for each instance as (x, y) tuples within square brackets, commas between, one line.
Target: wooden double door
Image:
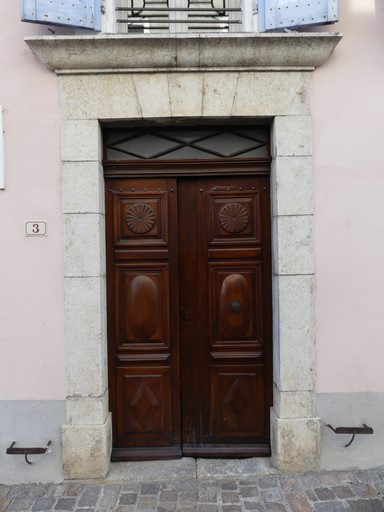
[(189, 316)]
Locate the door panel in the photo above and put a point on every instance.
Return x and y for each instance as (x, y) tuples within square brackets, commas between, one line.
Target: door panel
[(142, 326), (189, 316)]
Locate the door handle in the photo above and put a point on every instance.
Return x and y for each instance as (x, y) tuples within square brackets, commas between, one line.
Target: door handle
[(235, 306)]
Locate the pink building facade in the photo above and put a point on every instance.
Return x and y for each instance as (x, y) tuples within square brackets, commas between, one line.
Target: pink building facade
[(327, 231)]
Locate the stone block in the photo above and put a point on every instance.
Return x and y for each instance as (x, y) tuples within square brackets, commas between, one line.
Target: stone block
[(274, 94), (292, 248), (185, 92), (87, 450), (80, 141), (84, 236), (150, 471), (105, 96), (219, 93), (296, 443), (153, 95), (82, 185), (85, 333), (294, 355), (292, 186), (90, 410), (298, 404), (292, 135)]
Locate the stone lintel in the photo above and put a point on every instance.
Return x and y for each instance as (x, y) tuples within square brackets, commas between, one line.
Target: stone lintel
[(192, 52)]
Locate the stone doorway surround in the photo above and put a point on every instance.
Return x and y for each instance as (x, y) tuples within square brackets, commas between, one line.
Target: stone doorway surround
[(167, 79)]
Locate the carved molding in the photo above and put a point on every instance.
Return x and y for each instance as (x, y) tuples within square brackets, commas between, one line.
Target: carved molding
[(233, 218), (140, 218), (192, 52)]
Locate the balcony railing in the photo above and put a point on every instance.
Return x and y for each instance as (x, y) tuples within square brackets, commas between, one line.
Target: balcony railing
[(164, 16)]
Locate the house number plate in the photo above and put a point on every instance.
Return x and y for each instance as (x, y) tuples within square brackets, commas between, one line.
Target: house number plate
[(35, 228)]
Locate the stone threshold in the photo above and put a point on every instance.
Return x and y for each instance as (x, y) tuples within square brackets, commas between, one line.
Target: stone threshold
[(188, 468)]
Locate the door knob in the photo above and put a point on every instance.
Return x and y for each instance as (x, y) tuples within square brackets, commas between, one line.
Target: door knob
[(235, 306)]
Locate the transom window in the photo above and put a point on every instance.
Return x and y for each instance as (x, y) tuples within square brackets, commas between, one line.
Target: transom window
[(188, 143)]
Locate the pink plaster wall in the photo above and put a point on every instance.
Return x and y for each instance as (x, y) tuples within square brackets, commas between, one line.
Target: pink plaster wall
[(348, 129), (31, 294)]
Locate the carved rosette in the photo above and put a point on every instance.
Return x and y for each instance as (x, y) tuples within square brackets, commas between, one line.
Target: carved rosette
[(140, 218), (233, 217)]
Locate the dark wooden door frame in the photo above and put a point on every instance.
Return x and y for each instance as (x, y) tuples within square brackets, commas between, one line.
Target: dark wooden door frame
[(194, 169)]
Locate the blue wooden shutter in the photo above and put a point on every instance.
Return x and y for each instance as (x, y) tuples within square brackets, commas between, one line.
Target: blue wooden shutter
[(280, 14), (72, 13)]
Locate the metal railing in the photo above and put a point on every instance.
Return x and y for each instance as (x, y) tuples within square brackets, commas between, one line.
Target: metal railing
[(150, 16)]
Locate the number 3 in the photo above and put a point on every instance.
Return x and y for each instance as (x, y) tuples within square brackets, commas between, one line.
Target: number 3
[(35, 228)]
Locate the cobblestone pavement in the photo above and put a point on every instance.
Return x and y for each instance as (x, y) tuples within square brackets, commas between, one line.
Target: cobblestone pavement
[(358, 491)]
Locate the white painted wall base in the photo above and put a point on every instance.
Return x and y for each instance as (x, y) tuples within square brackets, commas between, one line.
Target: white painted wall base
[(31, 423), (351, 410)]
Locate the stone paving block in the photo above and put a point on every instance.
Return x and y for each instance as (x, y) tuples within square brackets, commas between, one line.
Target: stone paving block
[(189, 485), (249, 481), (170, 486), (188, 498), (275, 507), (298, 502), (231, 508), (364, 490), (74, 489), (57, 490), (331, 478), (37, 490), (4, 490), (166, 507), (41, 504), (20, 504), (379, 488), (310, 493), (290, 484), (267, 482), (249, 492), (208, 508), (109, 496), (90, 496), (253, 505), (268, 495), (150, 488), (147, 503), (65, 504), (324, 494), (373, 505), (18, 491), (309, 480), (230, 497), (207, 494), (330, 506), (229, 486), (128, 498), (4, 503), (343, 491), (106, 503), (170, 496), (134, 487), (126, 508), (366, 475)]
